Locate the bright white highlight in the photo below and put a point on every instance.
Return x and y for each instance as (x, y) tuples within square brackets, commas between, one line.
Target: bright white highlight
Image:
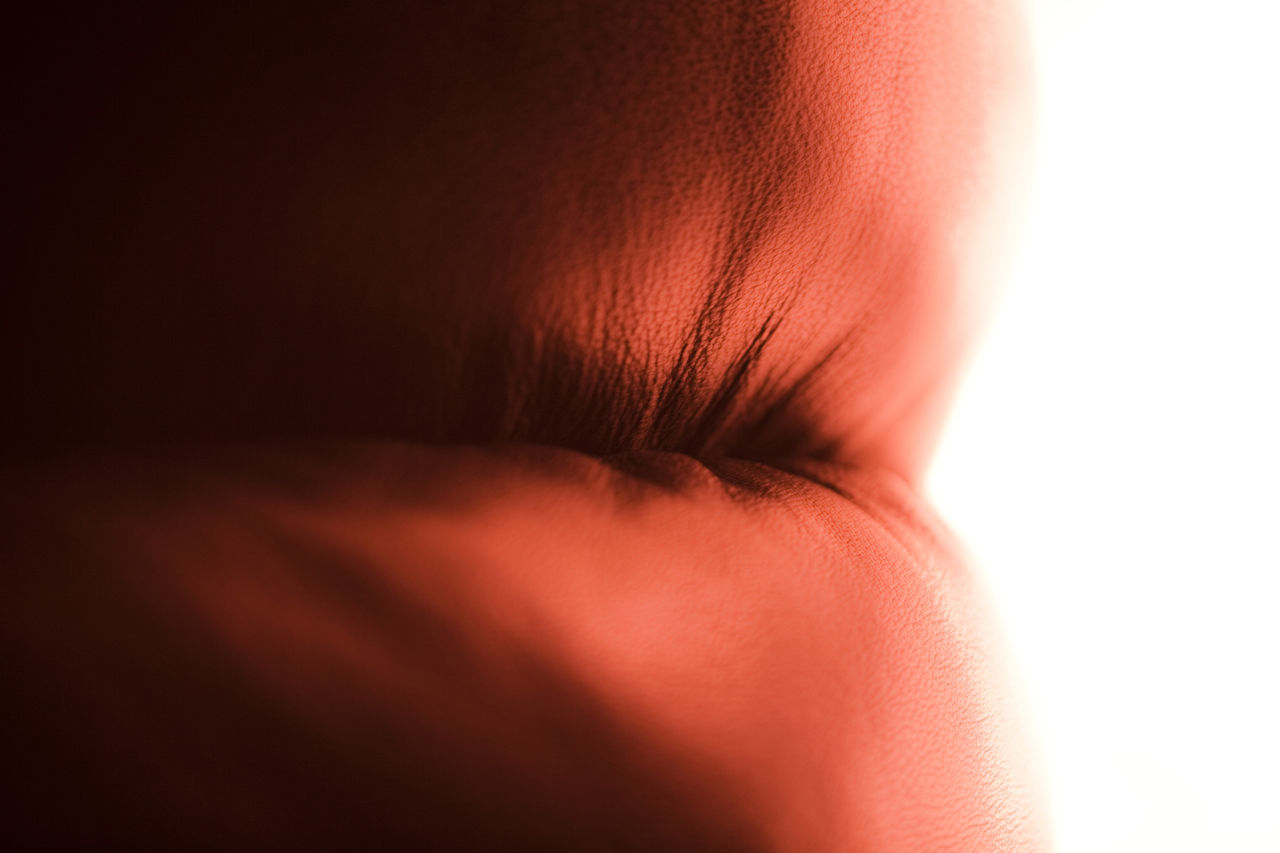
[(1114, 457)]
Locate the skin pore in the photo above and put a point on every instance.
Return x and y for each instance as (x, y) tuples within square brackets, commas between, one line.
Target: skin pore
[(487, 425)]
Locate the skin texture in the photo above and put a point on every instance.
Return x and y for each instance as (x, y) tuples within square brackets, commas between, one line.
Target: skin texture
[(729, 228), (498, 647), (488, 425)]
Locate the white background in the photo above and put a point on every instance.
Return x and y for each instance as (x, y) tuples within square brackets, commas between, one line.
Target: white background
[(1114, 457)]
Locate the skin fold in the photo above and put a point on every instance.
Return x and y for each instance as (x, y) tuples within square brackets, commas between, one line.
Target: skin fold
[(518, 647), (498, 426)]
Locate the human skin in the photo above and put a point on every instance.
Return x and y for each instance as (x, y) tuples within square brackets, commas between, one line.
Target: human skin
[(499, 424)]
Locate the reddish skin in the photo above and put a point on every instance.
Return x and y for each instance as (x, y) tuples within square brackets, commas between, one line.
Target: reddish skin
[(706, 265)]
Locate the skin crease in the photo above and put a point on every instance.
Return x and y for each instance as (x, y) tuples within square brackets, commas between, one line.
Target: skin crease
[(489, 426)]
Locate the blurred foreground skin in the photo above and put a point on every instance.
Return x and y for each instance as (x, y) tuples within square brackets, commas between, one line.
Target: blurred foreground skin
[(495, 426)]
